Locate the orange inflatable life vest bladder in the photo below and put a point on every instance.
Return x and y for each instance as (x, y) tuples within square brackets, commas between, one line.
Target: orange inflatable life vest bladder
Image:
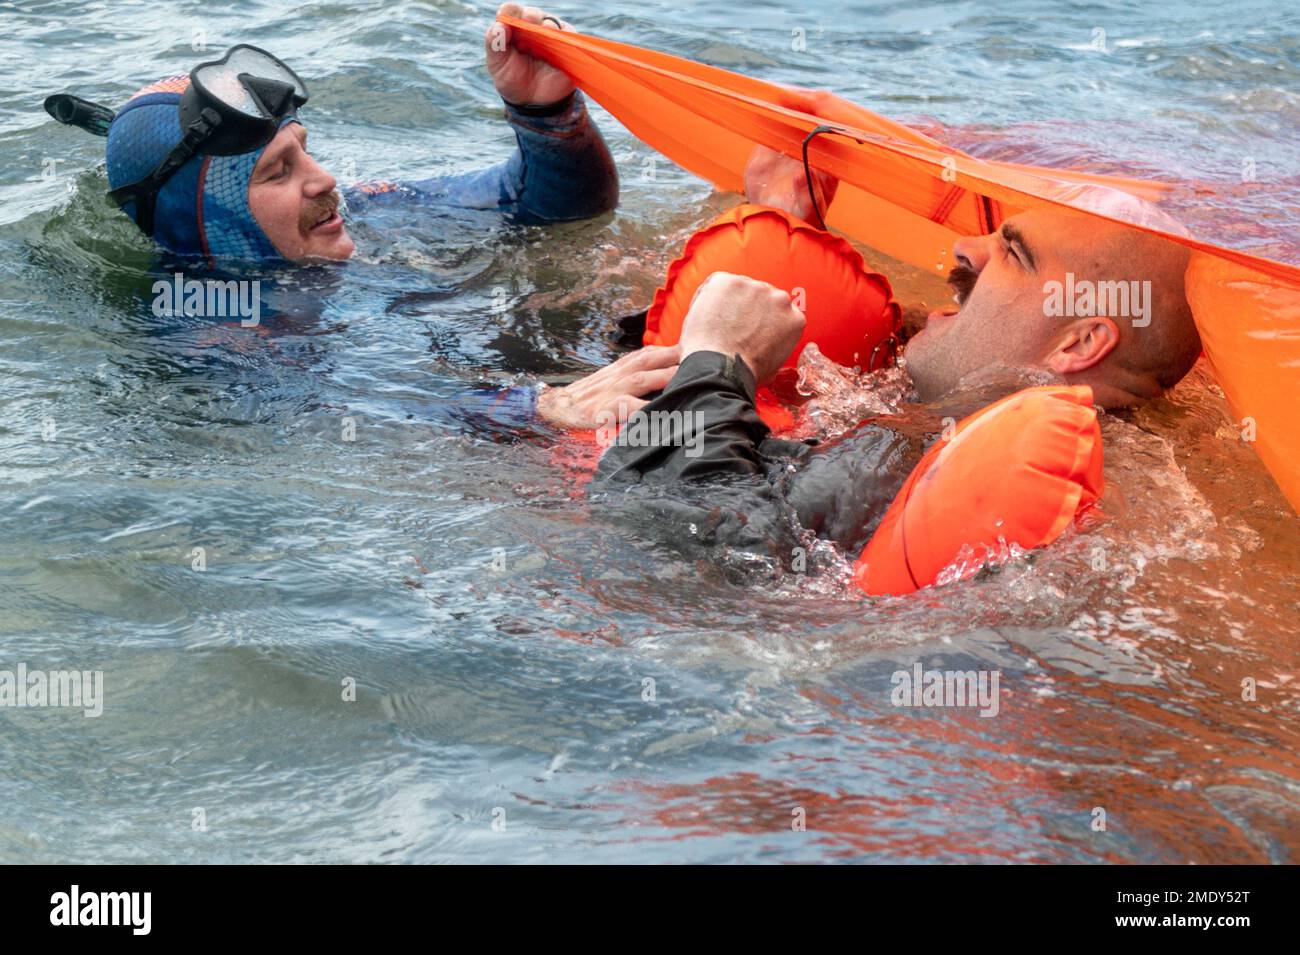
[(849, 309), (1019, 471)]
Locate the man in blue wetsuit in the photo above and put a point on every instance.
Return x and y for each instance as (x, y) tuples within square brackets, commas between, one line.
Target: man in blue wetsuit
[(215, 164)]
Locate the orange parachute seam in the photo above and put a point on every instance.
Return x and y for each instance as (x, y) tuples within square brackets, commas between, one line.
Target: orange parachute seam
[(947, 204)]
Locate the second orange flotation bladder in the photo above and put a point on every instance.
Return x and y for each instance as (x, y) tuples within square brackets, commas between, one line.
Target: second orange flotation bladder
[(1018, 472), (850, 309)]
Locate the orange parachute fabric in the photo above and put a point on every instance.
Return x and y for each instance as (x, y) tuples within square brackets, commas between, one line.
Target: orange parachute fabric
[(910, 196), (1017, 472)]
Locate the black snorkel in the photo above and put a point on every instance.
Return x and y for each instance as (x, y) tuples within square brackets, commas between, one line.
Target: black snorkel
[(74, 111)]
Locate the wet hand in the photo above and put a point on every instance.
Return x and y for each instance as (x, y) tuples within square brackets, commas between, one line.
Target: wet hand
[(616, 390), (774, 179), (736, 315), (520, 77)]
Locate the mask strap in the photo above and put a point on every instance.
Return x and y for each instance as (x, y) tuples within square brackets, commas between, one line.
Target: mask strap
[(145, 192)]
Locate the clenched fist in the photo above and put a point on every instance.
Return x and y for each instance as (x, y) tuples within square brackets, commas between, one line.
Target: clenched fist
[(741, 316)]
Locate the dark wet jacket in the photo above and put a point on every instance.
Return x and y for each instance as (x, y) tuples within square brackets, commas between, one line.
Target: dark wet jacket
[(716, 477)]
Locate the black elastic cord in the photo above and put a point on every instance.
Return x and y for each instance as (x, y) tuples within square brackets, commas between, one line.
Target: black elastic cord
[(892, 342), (807, 171)]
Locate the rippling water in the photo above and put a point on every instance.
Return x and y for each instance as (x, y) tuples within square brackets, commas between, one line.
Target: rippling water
[(519, 695)]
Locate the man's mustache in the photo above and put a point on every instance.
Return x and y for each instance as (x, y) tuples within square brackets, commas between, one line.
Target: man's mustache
[(962, 281), (318, 208)]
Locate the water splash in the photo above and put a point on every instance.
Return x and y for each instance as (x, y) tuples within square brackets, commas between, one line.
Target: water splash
[(840, 397)]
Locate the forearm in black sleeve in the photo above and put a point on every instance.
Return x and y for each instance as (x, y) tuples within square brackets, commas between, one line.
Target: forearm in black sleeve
[(703, 424)]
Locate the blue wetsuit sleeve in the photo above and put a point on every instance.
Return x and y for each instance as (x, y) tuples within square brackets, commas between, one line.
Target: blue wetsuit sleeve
[(497, 409), (561, 170)]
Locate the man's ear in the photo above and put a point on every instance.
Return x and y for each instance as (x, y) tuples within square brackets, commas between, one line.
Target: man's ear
[(1083, 344)]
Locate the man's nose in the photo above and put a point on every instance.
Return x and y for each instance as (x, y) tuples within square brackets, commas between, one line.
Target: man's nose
[(971, 252), (318, 181)]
